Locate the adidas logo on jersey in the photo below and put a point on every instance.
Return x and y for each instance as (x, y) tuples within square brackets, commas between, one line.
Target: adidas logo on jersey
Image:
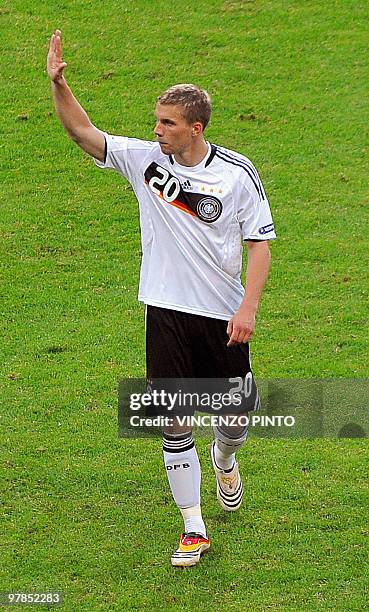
[(186, 185)]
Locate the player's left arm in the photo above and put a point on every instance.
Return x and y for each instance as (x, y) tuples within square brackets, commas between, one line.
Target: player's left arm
[(242, 325)]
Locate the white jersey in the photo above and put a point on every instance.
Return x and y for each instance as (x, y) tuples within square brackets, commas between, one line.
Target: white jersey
[(193, 220)]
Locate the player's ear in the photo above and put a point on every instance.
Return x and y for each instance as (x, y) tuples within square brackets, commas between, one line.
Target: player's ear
[(197, 128)]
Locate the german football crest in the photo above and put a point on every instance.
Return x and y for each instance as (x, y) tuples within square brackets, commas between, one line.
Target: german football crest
[(209, 209)]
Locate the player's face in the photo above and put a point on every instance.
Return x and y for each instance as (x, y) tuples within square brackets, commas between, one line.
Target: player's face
[(172, 131)]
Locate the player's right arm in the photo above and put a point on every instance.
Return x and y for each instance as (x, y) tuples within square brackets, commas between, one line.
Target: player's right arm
[(71, 114)]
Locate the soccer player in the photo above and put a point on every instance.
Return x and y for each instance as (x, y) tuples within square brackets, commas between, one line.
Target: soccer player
[(198, 203)]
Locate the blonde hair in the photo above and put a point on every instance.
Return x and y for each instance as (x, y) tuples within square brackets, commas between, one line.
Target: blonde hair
[(195, 102)]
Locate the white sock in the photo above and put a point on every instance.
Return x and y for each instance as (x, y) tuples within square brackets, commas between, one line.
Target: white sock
[(184, 476), (193, 521), (227, 442), (223, 461)]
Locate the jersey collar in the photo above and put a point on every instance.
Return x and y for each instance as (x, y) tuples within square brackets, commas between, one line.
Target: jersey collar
[(204, 162)]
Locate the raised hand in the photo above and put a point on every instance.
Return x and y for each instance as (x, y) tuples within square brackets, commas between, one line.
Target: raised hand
[(55, 64)]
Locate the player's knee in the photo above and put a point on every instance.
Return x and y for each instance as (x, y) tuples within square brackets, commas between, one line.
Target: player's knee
[(237, 430), (174, 428)]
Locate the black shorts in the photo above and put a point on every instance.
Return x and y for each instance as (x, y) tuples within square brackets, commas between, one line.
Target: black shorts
[(190, 352), (184, 345)]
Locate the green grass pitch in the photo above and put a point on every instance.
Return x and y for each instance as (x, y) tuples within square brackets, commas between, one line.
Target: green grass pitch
[(84, 512)]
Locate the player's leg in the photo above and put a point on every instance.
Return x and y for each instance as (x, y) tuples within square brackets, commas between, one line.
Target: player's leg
[(228, 440), (168, 357), (184, 476), (224, 363)]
